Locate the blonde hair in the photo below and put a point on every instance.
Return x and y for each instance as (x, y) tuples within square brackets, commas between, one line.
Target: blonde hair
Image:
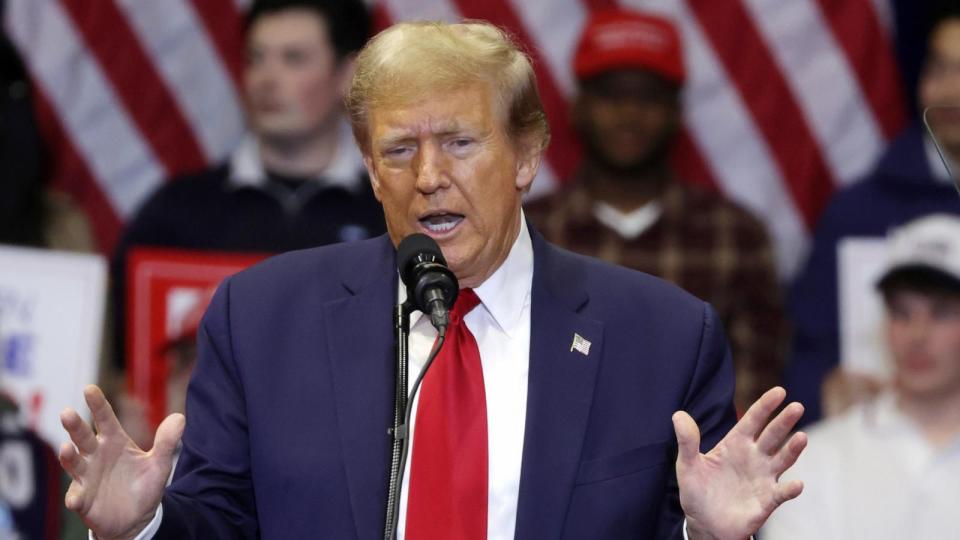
[(413, 60)]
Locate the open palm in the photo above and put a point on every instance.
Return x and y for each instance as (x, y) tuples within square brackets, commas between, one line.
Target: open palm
[(729, 492), (116, 485)]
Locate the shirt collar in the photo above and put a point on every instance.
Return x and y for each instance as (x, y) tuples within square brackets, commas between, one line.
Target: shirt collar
[(246, 167), (885, 417), (630, 224), (507, 291)]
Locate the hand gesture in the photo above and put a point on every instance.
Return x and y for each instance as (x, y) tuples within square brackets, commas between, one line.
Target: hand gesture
[(729, 492), (116, 486)]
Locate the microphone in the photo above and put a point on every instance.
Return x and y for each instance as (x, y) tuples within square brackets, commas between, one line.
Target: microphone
[(431, 286)]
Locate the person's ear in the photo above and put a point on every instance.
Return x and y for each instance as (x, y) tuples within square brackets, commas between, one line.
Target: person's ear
[(528, 163)]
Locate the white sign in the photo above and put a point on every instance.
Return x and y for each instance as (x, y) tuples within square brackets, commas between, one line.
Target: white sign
[(51, 327), (861, 262)]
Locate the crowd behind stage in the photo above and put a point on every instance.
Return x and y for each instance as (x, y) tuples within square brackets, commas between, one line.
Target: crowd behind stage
[(884, 445)]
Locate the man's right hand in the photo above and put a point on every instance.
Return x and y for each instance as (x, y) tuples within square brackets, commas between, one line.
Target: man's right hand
[(116, 486)]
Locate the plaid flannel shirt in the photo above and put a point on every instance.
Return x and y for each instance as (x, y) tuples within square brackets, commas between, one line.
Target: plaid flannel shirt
[(705, 244)]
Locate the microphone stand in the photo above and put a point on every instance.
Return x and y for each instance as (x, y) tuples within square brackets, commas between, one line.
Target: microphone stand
[(402, 411), (401, 326)]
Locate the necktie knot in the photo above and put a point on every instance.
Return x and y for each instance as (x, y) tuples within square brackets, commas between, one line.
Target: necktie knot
[(466, 301)]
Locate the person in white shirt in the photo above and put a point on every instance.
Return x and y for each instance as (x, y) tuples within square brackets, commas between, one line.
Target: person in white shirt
[(889, 468)]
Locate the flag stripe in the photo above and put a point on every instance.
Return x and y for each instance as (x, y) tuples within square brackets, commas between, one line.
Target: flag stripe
[(91, 114), (182, 53), (136, 82), (600, 4), (857, 26), (222, 21), (841, 120), (549, 27), (381, 18), (783, 99), (563, 152), (884, 11), (721, 126), (754, 73), (550, 24), (422, 10), (70, 174)]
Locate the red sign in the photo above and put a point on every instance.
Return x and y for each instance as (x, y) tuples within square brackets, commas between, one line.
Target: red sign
[(167, 292)]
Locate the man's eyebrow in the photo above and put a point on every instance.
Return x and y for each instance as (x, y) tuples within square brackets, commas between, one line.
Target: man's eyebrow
[(448, 127), (390, 140), (453, 130), (458, 129), (401, 136)]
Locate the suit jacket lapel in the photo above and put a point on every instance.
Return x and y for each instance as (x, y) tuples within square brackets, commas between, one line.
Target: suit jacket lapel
[(359, 333), (561, 385)]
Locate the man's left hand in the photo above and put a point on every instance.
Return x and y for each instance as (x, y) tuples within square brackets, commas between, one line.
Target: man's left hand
[(729, 492)]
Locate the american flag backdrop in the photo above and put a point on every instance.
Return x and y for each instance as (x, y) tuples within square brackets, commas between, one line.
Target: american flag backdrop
[(786, 99)]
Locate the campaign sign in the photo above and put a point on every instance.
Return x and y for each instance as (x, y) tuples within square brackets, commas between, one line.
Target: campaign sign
[(51, 329), (860, 264), (167, 292)]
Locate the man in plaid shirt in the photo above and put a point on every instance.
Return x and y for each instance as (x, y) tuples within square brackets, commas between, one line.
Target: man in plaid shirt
[(625, 206)]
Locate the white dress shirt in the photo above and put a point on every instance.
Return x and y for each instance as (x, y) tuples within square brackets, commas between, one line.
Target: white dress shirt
[(501, 326)]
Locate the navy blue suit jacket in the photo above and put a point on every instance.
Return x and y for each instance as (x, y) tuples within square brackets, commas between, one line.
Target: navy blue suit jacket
[(292, 396)]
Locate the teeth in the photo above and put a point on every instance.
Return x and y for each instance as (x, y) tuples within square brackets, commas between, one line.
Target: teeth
[(441, 227), (441, 224)]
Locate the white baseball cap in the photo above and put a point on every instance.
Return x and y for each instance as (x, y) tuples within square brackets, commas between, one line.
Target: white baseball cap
[(928, 245)]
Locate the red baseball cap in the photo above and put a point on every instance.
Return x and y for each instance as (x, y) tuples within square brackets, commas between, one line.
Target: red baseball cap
[(618, 38)]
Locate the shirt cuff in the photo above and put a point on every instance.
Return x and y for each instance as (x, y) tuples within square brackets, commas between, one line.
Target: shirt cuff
[(152, 527), (685, 537)]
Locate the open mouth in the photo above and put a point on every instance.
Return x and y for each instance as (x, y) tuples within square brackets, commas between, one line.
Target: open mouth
[(441, 223)]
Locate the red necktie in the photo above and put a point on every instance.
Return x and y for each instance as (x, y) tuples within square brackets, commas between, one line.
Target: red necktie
[(448, 474)]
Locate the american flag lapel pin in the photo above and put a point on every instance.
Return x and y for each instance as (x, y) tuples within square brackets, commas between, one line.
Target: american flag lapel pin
[(580, 344)]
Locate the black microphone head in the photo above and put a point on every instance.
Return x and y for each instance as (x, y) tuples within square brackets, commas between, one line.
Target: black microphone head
[(430, 284), (416, 249)]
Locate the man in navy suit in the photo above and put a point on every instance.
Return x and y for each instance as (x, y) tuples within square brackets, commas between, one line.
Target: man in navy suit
[(583, 363)]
